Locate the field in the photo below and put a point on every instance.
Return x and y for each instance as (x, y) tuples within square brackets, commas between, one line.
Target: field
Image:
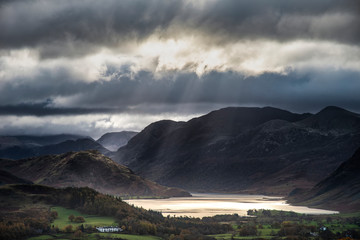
[(265, 224), (64, 213), (279, 224), (95, 236), (228, 237), (125, 236), (62, 221)]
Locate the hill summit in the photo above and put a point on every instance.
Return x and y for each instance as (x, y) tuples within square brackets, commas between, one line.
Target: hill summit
[(90, 169)]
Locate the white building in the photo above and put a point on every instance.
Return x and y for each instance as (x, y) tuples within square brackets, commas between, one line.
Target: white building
[(109, 229)]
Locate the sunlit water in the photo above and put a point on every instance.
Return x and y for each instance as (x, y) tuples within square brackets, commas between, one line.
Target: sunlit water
[(201, 205)]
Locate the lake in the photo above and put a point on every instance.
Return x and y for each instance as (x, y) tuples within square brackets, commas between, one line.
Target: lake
[(204, 204)]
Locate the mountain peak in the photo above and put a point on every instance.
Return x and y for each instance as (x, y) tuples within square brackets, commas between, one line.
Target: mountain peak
[(334, 110), (114, 140), (335, 120)]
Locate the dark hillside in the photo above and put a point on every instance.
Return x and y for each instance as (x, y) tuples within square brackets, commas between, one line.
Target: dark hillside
[(341, 190), (87, 169), (260, 150)]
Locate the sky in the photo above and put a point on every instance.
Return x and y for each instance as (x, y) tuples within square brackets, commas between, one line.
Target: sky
[(90, 67)]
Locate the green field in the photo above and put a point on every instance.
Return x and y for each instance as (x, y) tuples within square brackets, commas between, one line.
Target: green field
[(228, 237), (94, 236), (64, 213), (124, 236), (42, 237)]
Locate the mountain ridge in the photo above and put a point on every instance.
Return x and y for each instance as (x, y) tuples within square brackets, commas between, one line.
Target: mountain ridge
[(114, 140), (20, 152), (87, 169), (256, 150)]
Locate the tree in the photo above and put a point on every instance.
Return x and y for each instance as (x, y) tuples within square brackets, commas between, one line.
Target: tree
[(79, 219), (248, 230), (71, 217), (68, 228), (78, 235), (54, 214)]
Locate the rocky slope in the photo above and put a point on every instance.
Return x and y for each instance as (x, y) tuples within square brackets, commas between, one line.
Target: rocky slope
[(114, 140), (339, 191), (86, 168), (262, 150)]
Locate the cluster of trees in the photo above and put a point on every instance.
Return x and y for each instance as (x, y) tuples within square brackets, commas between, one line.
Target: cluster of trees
[(22, 227), (77, 219), (14, 230), (296, 229)]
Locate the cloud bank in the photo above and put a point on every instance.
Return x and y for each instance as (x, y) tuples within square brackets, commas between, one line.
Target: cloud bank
[(174, 59)]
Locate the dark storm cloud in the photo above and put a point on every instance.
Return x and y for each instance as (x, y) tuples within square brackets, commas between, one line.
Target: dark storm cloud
[(294, 91), (44, 109), (57, 26), (74, 28), (40, 85), (284, 20)]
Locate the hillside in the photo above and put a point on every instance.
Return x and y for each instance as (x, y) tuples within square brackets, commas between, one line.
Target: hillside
[(30, 210), (87, 169), (114, 140), (8, 178), (341, 190), (26, 151), (258, 150)]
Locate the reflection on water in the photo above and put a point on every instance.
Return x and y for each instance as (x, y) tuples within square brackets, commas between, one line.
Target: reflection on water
[(202, 204)]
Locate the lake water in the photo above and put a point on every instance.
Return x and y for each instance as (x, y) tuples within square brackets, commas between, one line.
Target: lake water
[(200, 205)]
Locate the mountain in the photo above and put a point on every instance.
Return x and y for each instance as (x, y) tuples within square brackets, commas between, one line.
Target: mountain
[(86, 168), (258, 150), (20, 152), (35, 141), (114, 140), (334, 120), (340, 190), (8, 178)]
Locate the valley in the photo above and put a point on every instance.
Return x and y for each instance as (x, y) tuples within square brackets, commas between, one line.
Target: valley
[(255, 173)]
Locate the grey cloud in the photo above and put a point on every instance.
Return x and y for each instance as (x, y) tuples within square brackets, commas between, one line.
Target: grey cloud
[(89, 22), (298, 91), (282, 20), (309, 91), (45, 109), (41, 84), (75, 28)]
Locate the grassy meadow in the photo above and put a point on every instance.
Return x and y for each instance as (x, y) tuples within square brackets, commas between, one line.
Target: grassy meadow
[(93, 220), (96, 236)]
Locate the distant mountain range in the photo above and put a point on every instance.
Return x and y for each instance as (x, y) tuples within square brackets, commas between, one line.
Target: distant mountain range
[(248, 150), (18, 147), (25, 151), (35, 141), (84, 168), (255, 150), (114, 140), (340, 190)]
